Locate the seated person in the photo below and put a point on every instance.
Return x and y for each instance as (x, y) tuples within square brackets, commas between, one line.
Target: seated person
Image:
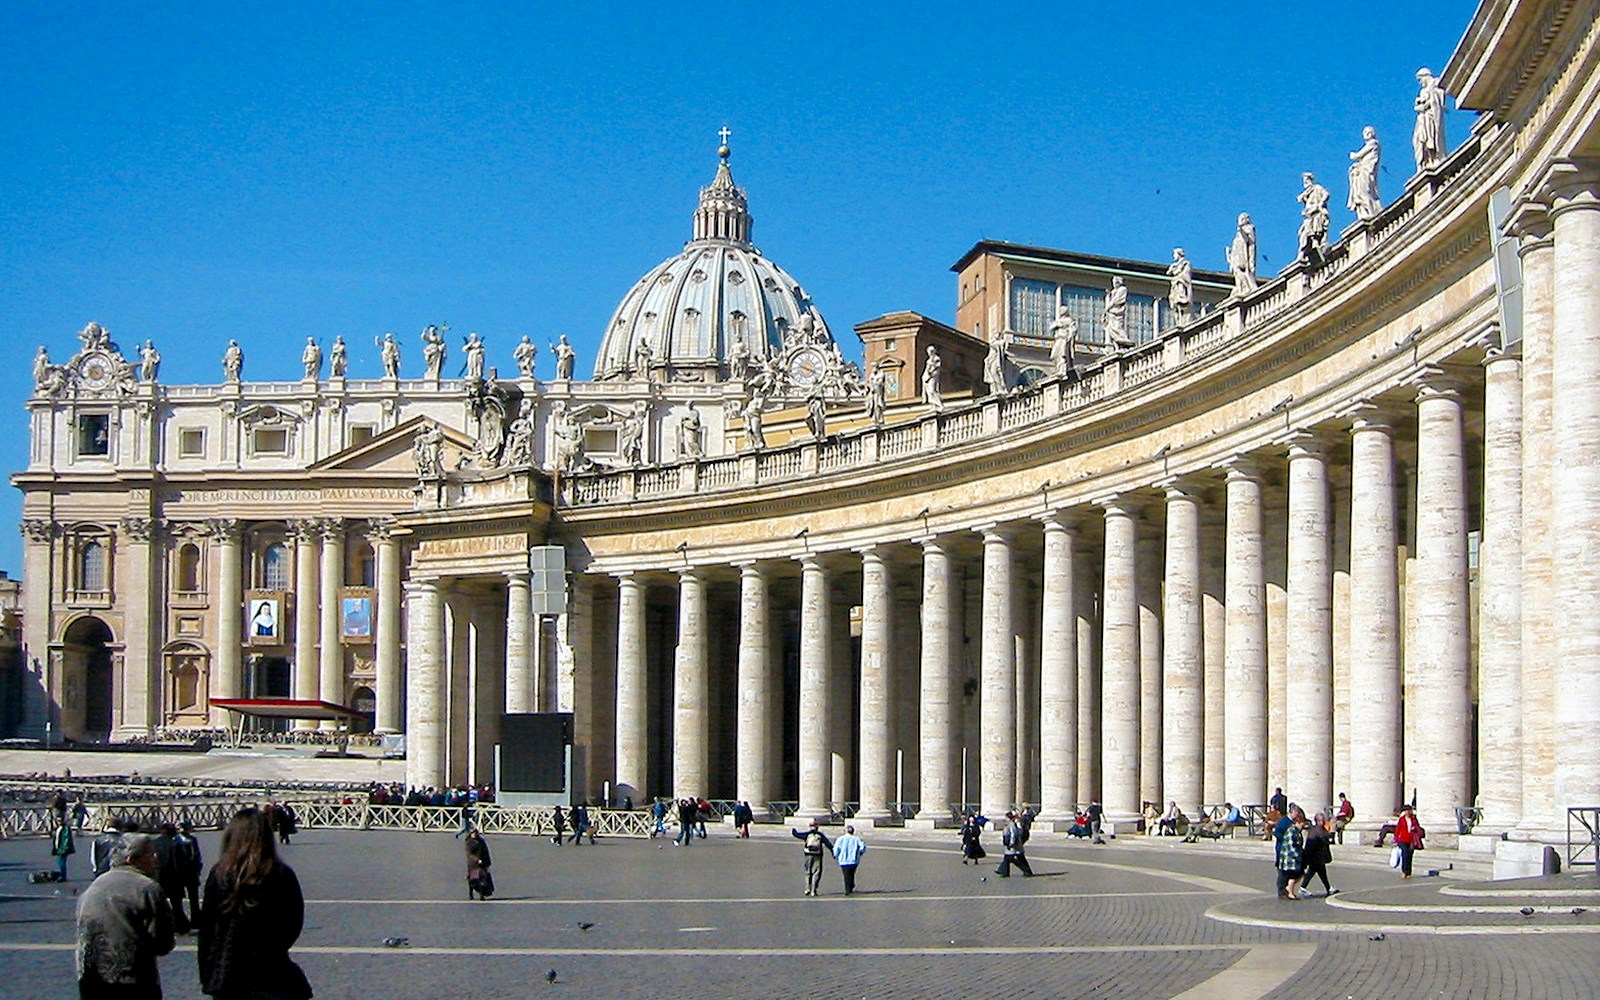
[(1081, 827), (1169, 820), (1150, 816), (1342, 817), (1218, 826)]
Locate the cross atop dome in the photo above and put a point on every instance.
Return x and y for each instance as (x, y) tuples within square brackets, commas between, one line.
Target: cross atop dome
[(724, 212)]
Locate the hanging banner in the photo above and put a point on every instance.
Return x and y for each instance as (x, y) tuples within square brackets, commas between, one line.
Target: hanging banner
[(263, 617), (355, 615)]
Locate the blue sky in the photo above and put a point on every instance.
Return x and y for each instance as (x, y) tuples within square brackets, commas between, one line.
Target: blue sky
[(195, 172)]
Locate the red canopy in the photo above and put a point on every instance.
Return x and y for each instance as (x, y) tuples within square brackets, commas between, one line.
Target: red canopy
[(287, 708)]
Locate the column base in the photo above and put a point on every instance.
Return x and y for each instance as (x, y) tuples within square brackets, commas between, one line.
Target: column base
[(932, 823), (884, 822)]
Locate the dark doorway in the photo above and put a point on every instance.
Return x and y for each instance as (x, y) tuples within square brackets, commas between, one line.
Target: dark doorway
[(88, 647)]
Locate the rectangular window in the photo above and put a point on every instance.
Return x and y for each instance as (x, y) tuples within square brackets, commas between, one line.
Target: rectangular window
[(192, 443), (600, 440), (1088, 307), (94, 434), (1033, 306), (270, 441), (360, 434)]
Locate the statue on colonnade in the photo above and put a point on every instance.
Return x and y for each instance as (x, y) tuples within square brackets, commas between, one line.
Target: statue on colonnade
[(1242, 256), (1427, 139), (1364, 163)]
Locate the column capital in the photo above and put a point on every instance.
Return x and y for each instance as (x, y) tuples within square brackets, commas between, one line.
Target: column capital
[(380, 529), (141, 529), (1306, 443), (1369, 415), (226, 529), (1529, 222), (1058, 520), (749, 568), (695, 573), (1180, 488), (422, 585), (997, 532), (39, 529), (1500, 355), (302, 529), (330, 528), (1240, 468), (874, 551), (1433, 382), (518, 577), (1125, 504), (1570, 184)]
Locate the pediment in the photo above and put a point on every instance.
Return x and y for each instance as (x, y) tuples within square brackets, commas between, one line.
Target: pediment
[(391, 451)]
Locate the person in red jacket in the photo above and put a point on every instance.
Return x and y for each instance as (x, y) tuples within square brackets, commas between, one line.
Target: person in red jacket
[(1408, 837)]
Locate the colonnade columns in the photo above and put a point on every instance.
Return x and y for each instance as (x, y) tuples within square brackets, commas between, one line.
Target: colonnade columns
[(1374, 619), (997, 761), (1245, 670), (938, 669), (1500, 595), (387, 667), (1575, 417), (1437, 668), (229, 538), (876, 696), (1086, 588), (1183, 655), (815, 644), (141, 679), (1058, 673), (1537, 250), (691, 689), (633, 732), (424, 684), (306, 600), (1214, 625), (520, 636), (330, 684), (1119, 671), (1148, 589), (755, 688), (1310, 632)]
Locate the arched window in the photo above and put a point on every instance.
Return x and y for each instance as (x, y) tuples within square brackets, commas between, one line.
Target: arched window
[(275, 567), (189, 568), (92, 567)]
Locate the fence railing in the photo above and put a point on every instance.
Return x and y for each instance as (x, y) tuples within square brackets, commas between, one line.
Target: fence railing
[(1583, 837), (488, 817)]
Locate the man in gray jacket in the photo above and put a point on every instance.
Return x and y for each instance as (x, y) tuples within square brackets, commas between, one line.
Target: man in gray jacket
[(124, 925)]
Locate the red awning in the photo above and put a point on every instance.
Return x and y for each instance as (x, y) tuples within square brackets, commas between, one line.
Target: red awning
[(287, 708)]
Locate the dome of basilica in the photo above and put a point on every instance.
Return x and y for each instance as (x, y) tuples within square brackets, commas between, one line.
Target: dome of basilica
[(683, 319)]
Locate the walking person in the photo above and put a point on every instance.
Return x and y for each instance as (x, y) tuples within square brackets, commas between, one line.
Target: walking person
[(186, 852), (1407, 837), (1014, 839), (479, 881), (558, 819), (687, 811), (580, 823), (1097, 815), (972, 837), (61, 846), (250, 916), (847, 850), (659, 813), (1290, 851), (124, 925), (170, 875), (743, 816), (104, 847), (816, 843), (1342, 817), (1317, 856)]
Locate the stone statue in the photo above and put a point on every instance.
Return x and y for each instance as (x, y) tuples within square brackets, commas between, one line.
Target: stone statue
[(691, 436), (1427, 139), (932, 367), (630, 435), (149, 361), (311, 357), (739, 361), (1063, 341), (877, 397), (1180, 296), (474, 353), (754, 436), (1242, 256), (389, 351), (808, 332), (565, 356), (1313, 199), (41, 366), (338, 358), (1364, 200), (568, 445), (95, 337), (1116, 314), (434, 350), (525, 355), (427, 449), (994, 365), (233, 361), (643, 355), (817, 415), (519, 442)]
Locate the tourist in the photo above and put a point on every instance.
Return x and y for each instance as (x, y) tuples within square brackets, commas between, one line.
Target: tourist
[(743, 816), (1170, 819), (1080, 825), (702, 809), (104, 848), (186, 853), (1097, 816), (687, 810), (250, 917), (479, 881), (580, 823), (1014, 839), (169, 876), (847, 850), (972, 825), (1316, 856), (658, 812), (1342, 817), (61, 846), (815, 844), (124, 925), (1290, 851), (558, 819), (1279, 802), (1408, 837)]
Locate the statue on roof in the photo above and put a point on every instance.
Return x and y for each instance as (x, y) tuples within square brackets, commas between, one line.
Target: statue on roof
[(233, 362), (311, 358), (1427, 139), (630, 435), (427, 450), (149, 361), (754, 435), (389, 353), (565, 357), (1313, 199), (1242, 256), (932, 372), (41, 365), (1364, 163), (525, 355), (876, 399), (994, 365), (473, 348), (1116, 314), (1180, 295), (691, 435), (519, 441), (434, 349), (95, 337), (338, 358), (1064, 341)]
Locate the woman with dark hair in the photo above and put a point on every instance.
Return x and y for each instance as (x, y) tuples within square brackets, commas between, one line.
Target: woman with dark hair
[(480, 884), (250, 916)]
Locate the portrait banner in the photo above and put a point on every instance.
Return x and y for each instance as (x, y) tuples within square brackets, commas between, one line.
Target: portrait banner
[(355, 615), (263, 617)]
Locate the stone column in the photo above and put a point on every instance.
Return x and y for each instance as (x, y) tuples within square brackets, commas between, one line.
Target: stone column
[(1438, 665), (1119, 671), (841, 692), (1374, 619), (815, 643), (1245, 670), (1183, 654), (1214, 618), (42, 698), (330, 685), (633, 703), (1148, 587), (1575, 416), (691, 688), (997, 760), (755, 688), (228, 536), (1342, 692), (387, 548), (1058, 672), (1310, 632), (1538, 751), (521, 635), (939, 646), (306, 603), (1500, 596), (876, 695), (141, 678), (424, 684), (1086, 591)]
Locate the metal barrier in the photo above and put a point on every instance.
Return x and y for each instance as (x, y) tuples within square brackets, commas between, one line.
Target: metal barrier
[(1584, 848), (214, 813), (1467, 817), (487, 816)]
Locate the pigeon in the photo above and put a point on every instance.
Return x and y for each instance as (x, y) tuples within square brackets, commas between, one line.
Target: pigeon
[(1376, 937), (1578, 909), (396, 942), (550, 977), (1526, 911), (584, 925)]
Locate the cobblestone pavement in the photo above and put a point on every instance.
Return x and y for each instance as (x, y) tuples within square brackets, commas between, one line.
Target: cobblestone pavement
[(724, 917)]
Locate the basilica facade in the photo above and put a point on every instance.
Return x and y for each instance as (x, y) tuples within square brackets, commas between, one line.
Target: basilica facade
[(1334, 530)]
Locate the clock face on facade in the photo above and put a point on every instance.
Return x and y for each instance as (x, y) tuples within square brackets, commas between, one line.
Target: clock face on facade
[(806, 366), (96, 370)]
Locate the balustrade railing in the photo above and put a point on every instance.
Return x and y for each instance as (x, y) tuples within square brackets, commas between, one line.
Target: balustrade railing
[(1022, 408), (719, 472), (782, 464), (962, 425), (840, 453)]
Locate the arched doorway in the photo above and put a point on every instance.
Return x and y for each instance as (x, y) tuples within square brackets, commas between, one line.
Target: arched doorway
[(363, 701), (86, 696)]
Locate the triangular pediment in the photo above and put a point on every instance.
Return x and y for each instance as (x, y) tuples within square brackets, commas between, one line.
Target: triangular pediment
[(391, 451)]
